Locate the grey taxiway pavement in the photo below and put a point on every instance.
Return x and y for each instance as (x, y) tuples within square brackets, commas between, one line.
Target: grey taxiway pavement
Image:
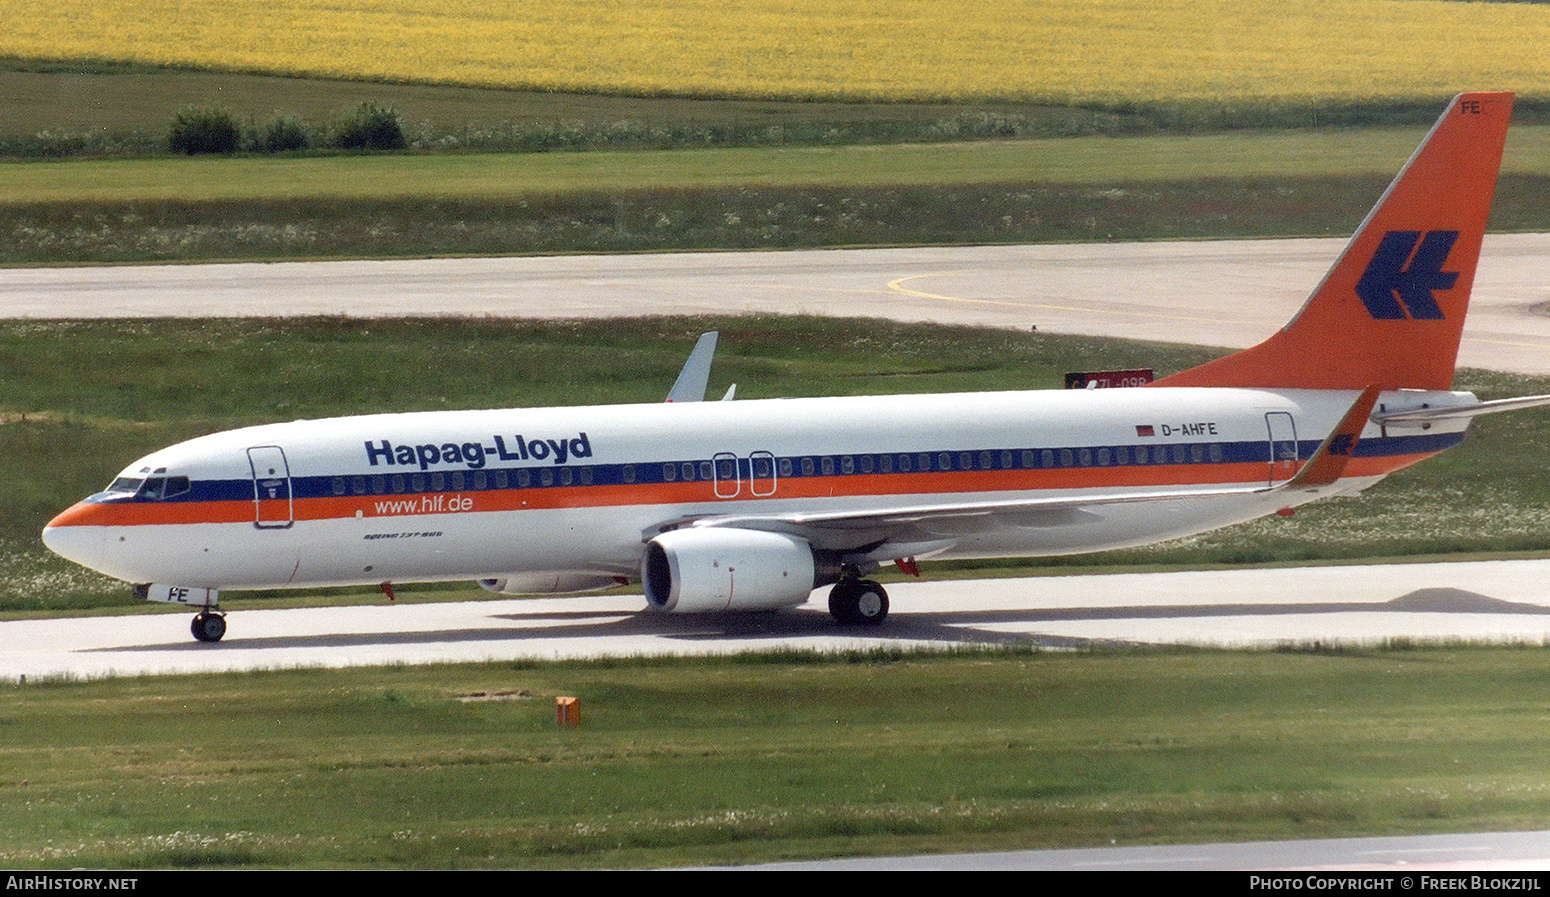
[(1216, 293), (1491, 601)]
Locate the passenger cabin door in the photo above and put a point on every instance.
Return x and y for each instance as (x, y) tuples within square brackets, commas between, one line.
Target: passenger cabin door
[(1283, 446), (272, 504)]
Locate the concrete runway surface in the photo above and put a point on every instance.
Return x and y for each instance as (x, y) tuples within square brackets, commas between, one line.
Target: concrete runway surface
[(1214, 293), (1487, 601)]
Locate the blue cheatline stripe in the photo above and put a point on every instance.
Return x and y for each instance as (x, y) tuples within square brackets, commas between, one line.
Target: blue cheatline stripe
[(408, 480)]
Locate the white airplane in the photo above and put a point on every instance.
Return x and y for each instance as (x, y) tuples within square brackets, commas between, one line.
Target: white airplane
[(752, 505)]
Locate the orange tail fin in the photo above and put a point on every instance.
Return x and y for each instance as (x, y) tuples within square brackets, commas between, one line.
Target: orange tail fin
[(1391, 310)]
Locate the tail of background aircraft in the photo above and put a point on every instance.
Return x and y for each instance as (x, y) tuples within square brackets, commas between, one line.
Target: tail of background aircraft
[(1391, 310)]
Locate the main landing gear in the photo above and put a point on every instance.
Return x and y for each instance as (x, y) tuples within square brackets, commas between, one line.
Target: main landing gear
[(208, 626), (858, 602)]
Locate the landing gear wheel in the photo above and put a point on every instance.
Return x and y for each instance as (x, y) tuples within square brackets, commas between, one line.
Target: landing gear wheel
[(858, 602), (208, 627)]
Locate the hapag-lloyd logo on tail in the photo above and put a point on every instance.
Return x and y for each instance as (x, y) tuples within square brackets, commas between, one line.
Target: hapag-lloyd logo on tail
[(1405, 272), (474, 455)]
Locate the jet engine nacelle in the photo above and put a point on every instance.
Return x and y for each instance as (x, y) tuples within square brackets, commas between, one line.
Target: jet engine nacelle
[(722, 568), (548, 583)]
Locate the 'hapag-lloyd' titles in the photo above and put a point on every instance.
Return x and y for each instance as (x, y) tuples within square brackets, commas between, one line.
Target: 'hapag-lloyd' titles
[(475, 454)]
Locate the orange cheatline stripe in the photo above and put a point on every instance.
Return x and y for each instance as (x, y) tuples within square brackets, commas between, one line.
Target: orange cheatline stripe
[(700, 492)]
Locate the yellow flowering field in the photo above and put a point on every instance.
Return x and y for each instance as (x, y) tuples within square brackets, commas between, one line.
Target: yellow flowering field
[(1060, 50)]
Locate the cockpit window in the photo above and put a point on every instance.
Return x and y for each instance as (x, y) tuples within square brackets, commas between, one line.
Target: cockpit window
[(164, 487), (154, 488), (125, 485)]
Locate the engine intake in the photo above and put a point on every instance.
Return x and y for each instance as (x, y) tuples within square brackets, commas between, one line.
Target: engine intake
[(721, 568)]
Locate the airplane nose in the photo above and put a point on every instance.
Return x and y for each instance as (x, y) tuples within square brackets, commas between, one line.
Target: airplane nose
[(70, 537)]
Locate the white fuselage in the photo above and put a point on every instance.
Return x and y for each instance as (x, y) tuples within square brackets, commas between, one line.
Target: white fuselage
[(477, 494)]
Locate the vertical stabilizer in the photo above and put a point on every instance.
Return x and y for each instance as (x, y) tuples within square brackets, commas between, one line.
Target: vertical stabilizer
[(1391, 310)]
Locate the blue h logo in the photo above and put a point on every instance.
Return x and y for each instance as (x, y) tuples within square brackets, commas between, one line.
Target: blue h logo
[(1399, 281)]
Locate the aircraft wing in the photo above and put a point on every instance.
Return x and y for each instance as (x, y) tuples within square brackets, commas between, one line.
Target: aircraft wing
[(922, 530)]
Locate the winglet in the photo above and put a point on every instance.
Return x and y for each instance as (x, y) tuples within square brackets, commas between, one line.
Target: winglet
[(695, 376), (1328, 463), (1391, 310)]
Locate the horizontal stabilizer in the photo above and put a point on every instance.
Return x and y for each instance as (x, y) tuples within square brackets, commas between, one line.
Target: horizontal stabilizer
[(1462, 412)]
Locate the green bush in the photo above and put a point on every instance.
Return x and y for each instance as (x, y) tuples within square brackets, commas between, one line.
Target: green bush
[(370, 127), (283, 135), (195, 131)]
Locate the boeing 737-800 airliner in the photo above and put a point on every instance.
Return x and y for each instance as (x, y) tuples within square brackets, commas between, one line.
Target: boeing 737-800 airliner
[(752, 505)]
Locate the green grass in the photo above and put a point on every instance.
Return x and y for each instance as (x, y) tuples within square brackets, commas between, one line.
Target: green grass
[(1077, 189), (69, 421), (1077, 161), (713, 761)]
